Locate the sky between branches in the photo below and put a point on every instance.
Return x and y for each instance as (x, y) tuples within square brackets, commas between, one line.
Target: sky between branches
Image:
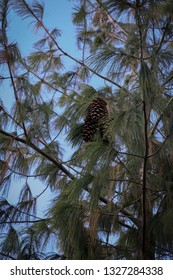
[(58, 13)]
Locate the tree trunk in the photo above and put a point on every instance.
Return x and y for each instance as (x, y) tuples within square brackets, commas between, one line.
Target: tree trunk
[(147, 250)]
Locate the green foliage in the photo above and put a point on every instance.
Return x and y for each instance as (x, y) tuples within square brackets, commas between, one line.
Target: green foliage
[(70, 219), (113, 195), (10, 243), (25, 10), (79, 14)]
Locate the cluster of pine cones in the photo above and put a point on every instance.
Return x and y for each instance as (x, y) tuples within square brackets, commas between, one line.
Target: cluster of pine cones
[(95, 120)]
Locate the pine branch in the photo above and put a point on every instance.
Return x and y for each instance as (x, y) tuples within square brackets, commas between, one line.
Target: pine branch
[(25, 175), (159, 118), (63, 163), (159, 149), (163, 36), (130, 173), (7, 256), (10, 117), (4, 78), (84, 43), (26, 213), (40, 194), (158, 130), (34, 147), (67, 54), (168, 79), (124, 180), (117, 247), (29, 69), (22, 222), (113, 20), (134, 220), (130, 154), (65, 171), (5, 45)]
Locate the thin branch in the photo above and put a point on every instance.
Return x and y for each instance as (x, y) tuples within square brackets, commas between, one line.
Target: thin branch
[(159, 118), (131, 174), (22, 222), (65, 53), (136, 221), (45, 189), (157, 129), (4, 78), (116, 247), (43, 79), (158, 150), (26, 175), (124, 180), (163, 36), (26, 213), (9, 115), (37, 149), (130, 154), (168, 79), (64, 163), (5, 45), (7, 256), (112, 19)]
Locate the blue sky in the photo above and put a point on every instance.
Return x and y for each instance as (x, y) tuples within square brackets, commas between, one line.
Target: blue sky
[(57, 14)]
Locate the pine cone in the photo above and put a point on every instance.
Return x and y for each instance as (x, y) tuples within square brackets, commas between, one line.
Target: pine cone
[(95, 112), (97, 109), (90, 128)]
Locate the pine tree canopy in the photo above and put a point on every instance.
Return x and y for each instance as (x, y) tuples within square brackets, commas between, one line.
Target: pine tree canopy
[(95, 133)]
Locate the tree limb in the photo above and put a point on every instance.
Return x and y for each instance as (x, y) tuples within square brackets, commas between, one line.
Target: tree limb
[(30, 144), (67, 54)]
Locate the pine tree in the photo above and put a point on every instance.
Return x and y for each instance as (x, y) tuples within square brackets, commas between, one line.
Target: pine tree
[(113, 196)]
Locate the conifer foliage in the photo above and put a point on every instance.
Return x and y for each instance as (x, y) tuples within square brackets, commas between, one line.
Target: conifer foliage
[(95, 134)]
